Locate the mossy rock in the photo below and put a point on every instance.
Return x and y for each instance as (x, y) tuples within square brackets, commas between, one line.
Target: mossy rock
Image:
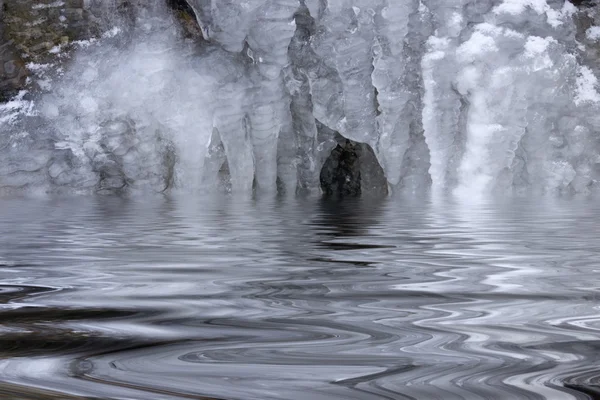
[(36, 26), (30, 30), (13, 73)]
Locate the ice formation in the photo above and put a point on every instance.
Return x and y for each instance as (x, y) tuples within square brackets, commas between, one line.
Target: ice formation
[(458, 96)]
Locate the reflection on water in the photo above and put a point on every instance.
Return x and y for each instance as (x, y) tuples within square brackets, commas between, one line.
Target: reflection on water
[(298, 299)]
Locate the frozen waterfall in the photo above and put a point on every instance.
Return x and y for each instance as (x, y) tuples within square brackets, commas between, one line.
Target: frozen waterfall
[(470, 97)]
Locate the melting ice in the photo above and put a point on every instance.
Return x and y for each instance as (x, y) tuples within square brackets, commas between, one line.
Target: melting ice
[(458, 96)]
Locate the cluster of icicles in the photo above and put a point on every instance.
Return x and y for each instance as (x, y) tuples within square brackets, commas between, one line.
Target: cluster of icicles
[(455, 96)]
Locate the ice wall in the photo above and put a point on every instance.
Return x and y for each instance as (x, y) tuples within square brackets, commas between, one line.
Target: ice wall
[(470, 97)]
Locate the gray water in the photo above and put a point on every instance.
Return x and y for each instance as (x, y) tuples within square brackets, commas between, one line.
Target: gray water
[(174, 298)]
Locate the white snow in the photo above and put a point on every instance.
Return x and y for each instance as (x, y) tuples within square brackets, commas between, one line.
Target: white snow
[(554, 17), (593, 33), (587, 87)]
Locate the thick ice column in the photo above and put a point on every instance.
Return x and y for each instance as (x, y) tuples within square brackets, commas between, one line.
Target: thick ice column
[(267, 116), (187, 121), (192, 143), (441, 112), (230, 121), (270, 36), (287, 172), (268, 40), (305, 130), (214, 162), (389, 78), (442, 103), (301, 152), (557, 134), (346, 44), (494, 85), (492, 138)]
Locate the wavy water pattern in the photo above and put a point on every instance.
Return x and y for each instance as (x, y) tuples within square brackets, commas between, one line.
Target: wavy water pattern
[(227, 299)]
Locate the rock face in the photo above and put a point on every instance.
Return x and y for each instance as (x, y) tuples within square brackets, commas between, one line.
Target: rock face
[(36, 27), (33, 32), (12, 67), (13, 73), (340, 175), (352, 170)]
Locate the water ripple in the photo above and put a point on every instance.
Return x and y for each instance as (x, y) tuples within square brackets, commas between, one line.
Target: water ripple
[(168, 299)]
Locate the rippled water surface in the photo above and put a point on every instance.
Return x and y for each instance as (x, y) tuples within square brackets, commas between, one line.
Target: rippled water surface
[(300, 299)]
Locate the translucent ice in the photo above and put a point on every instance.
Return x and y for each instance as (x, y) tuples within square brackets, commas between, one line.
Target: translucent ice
[(460, 96)]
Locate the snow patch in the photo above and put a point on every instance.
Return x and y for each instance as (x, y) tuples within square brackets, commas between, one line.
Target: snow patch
[(587, 83), (593, 33), (477, 45), (554, 17), (15, 108)]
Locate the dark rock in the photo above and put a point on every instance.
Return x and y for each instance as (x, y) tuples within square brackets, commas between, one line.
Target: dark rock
[(35, 27), (180, 5), (12, 68), (187, 17), (13, 73), (584, 3), (29, 30), (352, 170), (341, 172)]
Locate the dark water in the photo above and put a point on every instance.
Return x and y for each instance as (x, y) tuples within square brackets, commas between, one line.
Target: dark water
[(303, 299)]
